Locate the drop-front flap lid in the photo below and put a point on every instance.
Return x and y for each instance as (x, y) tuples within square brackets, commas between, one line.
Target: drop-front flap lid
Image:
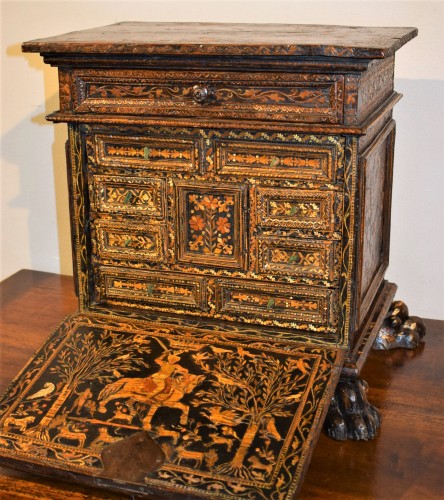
[(224, 39), (167, 408)]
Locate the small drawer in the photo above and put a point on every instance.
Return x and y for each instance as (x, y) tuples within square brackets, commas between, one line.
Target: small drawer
[(278, 161), (128, 195), (299, 209), (158, 290), (299, 258), (151, 153), (129, 240), (218, 94), (277, 302)]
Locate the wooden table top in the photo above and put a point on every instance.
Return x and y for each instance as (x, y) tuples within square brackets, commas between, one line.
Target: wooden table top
[(405, 461), (229, 39)]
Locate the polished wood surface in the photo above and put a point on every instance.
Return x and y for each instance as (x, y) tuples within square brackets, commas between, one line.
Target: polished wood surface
[(406, 460)]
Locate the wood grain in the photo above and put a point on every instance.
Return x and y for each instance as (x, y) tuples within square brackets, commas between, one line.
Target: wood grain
[(229, 39), (405, 461)]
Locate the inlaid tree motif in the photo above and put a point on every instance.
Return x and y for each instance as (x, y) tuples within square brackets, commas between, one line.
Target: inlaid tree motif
[(254, 389), (86, 358), (210, 221)]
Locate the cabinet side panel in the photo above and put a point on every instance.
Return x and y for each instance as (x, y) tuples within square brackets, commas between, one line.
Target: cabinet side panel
[(376, 164)]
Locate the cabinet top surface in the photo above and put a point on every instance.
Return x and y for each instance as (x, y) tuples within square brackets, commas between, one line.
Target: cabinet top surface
[(228, 39)]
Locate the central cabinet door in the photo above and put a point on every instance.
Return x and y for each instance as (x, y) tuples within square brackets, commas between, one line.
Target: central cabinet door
[(235, 225)]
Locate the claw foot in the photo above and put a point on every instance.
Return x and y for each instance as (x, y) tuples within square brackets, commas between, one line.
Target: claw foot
[(399, 329), (350, 415)]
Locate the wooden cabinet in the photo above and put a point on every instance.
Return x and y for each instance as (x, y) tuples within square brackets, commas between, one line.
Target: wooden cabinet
[(230, 208)]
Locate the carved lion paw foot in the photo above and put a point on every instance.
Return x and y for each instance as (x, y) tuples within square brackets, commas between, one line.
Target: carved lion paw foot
[(399, 329), (350, 415)]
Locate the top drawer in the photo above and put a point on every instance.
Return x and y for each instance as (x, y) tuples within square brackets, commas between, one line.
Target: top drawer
[(271, 96)]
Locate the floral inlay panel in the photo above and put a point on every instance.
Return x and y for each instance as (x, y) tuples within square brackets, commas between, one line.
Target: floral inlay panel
[(210, 221), (211, 225)]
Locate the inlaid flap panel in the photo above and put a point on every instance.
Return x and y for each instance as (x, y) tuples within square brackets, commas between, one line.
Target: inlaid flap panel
[(145, 407), (149, 153)]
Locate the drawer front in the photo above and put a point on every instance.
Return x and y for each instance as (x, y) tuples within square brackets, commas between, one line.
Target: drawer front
[(299, 209), (277, 302), (274, 96), (280, 161), (151, 289), (128, 195), (129, 240), (299, 258), (151, 153)]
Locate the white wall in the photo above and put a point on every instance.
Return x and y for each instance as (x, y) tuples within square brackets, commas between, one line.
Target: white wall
[(35, 231)]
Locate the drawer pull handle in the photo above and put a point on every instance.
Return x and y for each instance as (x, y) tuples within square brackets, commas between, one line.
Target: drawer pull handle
[(202, 94)]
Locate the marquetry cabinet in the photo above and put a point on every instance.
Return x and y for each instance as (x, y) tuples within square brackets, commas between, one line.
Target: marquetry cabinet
[(230, 191)]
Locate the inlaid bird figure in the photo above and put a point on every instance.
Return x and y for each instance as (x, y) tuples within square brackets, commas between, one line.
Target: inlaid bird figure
[(225, 380), (243, 353), (48, 389), (218, 350)]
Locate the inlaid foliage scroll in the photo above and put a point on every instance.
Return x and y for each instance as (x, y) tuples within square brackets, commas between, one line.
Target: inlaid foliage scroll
[(288, 96), (229, 414)]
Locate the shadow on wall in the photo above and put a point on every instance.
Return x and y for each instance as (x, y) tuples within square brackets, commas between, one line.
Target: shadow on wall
[(43, 189)]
